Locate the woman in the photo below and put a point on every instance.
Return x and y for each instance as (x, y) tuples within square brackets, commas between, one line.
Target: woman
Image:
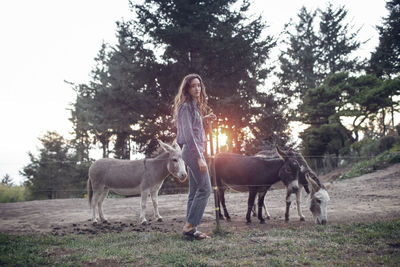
[(190, 107)]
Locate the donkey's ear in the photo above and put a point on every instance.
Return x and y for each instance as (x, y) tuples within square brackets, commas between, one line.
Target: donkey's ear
[(164, 146), (175, 145), (311, 181)]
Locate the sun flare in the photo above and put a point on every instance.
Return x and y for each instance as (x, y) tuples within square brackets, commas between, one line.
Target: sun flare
[(222, 139)]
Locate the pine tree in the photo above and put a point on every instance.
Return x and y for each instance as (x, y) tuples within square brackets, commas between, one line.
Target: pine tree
[(55, 172), (336, 42), (223, 46), (298, 71), (385, 60), (314, 53)]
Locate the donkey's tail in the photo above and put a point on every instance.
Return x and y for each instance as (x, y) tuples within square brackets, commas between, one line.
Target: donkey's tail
[(89, 191)]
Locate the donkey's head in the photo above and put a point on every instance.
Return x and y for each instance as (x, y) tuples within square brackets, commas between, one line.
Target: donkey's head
[(319, 199), (289, 172), (175, 164)]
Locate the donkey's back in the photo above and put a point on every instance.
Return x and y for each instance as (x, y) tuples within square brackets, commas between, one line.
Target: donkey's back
[(116, 173)]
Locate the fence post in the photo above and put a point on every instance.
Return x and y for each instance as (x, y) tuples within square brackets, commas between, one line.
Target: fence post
[(211, 167)]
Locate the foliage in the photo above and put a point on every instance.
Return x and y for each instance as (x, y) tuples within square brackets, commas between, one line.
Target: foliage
[(385, 60), (336, 42), (119, 96), (370, 165), (365, 148), (314, 53), (133, 85), (387, 142), (297, 64), (12, 193), (56, 172), (7, 180), (375, 243), (364, 100)]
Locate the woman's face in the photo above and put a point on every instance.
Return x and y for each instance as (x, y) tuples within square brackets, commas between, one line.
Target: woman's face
[(195, 88)]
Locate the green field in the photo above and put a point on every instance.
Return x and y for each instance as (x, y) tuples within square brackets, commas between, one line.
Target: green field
[(369, 244)]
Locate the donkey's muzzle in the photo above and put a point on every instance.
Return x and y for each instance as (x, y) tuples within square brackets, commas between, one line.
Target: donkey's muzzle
[(182, 177)]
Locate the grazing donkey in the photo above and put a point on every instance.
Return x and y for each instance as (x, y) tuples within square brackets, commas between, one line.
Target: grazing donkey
[(255, 175), (131, 177), (319, 198), (318, 201)]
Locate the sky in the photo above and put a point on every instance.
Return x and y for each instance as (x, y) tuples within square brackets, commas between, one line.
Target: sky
[(45, 43)]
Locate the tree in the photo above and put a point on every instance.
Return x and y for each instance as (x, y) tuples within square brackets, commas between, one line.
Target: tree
[(312, 55), (337, 42), (298, 70), (118, 97), (221, 44), (385, 60), (364, 100), (55, 173), (7, 180), (326, 134)]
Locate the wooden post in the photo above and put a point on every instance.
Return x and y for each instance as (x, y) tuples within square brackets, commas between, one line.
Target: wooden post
[(211, 167)]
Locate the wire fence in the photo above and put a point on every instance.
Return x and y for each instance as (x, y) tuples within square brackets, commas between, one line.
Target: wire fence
[(319, 164)]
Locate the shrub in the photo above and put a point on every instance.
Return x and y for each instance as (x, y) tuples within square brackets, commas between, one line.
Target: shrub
[(12, 193), (387, 142), (366, 148), (381, 161)]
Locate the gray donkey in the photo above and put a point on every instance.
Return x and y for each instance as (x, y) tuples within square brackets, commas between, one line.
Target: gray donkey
[(133, 177)]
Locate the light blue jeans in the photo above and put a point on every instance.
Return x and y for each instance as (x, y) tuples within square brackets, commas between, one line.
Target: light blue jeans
[(199, 188)]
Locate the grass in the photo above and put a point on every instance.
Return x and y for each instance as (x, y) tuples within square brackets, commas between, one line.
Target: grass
[(381, 161), (12, 193), (366, 244)]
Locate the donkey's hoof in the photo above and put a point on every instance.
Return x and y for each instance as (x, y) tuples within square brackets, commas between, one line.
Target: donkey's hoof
[(262, 222), (94, 223), (302, 219), (268, 217), (228, 219), (159, 219), (104, 221), (144, 223)]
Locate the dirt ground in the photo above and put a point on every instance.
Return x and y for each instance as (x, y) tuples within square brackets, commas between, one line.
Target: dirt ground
[(371, 197)]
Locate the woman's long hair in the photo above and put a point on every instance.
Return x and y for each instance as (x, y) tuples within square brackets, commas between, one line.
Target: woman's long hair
[(183, 95)]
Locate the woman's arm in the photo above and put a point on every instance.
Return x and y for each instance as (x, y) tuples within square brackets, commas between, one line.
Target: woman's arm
[(185, 125)]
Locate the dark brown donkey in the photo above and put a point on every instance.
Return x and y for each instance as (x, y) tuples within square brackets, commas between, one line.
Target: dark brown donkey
[(255, 175), (319, 196)]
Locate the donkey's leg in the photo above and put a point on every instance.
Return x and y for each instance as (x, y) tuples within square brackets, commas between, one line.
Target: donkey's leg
[(222, 200), (250, 204), (288, 203), (154, 199), (298, 203), (219, 207), (143, 200), (253, 211), (268, 216), (96, 195), (260, 203), (100, 206)]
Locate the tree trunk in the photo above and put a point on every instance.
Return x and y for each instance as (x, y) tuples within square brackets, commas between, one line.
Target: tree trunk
[(105, 149), (383, 121)]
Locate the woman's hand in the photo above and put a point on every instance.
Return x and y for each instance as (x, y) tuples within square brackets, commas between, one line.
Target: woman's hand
[(202, 165), (210, 116)]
